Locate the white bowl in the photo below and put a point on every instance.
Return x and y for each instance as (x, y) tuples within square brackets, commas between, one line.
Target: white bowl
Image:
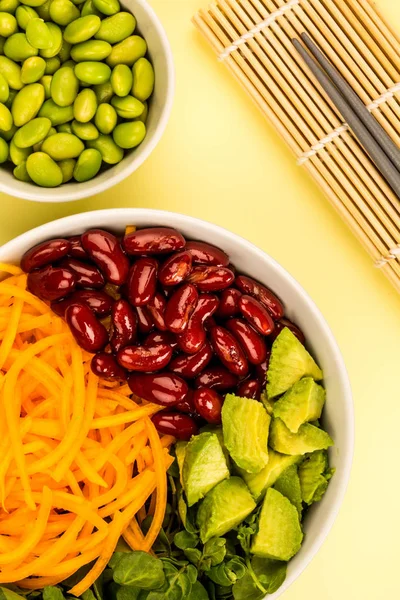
[(149, 26), (338, 414)]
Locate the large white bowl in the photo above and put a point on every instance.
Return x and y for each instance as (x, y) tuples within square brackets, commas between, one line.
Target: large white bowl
[(338, 414), (149, 26)]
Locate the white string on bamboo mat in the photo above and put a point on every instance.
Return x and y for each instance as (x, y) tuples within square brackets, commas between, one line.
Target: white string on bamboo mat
[(320, 145), (249, 35), (393, 254)]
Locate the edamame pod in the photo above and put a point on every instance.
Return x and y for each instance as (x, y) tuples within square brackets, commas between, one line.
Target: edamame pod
[(33, 132), (3, 150), (107, 7), (18, 155), (46, 83), (64, 86), (89, 9), (67, 167), (82, 29), (110, 152), (9, 6), (33, 69), (4, 89), (116, 28), (63, 12), (63, 145), (128, 51), (143, 116), (8, 135), (8, 24), (27, 103), (24, 14), (43, 170), (34, 3), (21, 173), (52, 64), (92, 72), (91, 50), (64, 128), (6, 120), (106, 118), (121, 80), (104, 92), (11, 72), (88, 165), (57, 114), (65, 52), (44, 10), (56, 41), (18, 48), (84, 131), (129, 135), (38, 146), (85, 106), (38, 34), (127, 107), (143, 79)]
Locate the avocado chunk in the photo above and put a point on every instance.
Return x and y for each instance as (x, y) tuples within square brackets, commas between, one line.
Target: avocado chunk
[(204, 466), (225, 507), (314, 474), (218, 432), (307, 439), (288, 484), (279, 533), (303, 402), (289, 362), (259, 482), (180, 453), (245, 425)]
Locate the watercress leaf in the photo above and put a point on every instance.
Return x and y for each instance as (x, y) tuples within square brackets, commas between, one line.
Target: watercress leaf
[(50, 592), (174, 561), (228, 573), (116, 557), (88, 595), (269, 574), (186, 514), (184, 539), (192, 573), (8, 594), (223, 593), (193, 554), (122, 546), (97, 587), (177, 585), (139, 569), (198, 592), (215, 550), (123, 592), (174, 469)]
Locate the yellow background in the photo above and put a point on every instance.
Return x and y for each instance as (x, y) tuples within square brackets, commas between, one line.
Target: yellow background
[(219, 160)]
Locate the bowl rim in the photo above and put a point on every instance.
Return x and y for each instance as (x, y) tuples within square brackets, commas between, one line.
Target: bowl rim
[(169, 218), (90, 188)]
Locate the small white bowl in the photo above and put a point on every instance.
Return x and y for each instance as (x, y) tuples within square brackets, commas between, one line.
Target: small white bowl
[(159, 49), (338, 414)]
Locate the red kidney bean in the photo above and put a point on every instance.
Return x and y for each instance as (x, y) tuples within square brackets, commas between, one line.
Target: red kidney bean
[(256, 314), (187, 405), (193, 338), (153, 240), (156, 308), (98, 301), (161, 337), (87, 276), (211, 279), (252, 343), (261, 370), (51, 283), (228, 303), (89, 333), (175, 269), (145, 320), (180, 426), (229, 351), (208, 404), (279, 325), (166, 389), (105, 250), (104, 365), (76, 249), (189, 366), (145, 358), (206, 254), (124, 321), (249, 286), (209, 324), (250, 388), (179, 308), (44, 254), (216, 377), (142, 281)]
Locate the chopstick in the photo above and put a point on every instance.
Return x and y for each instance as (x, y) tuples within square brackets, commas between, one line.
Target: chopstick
[(380, 158), (375, 129)]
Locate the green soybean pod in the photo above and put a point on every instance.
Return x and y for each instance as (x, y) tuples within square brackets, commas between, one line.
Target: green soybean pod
[(24, 14), (43, 170), (121, 80), (104, 92), (89, 9), (33, 132), (128, 51), (65, 52), (85, 106), (63, 145), (92, 72), (91, 50), (21, 173), (116, 28), (8, 135), (6, 120), (127, 107), (56, 41), (106, 118), (8, 24), (18, 48), (143, 79), (110, 152), (52, 64), (9, 6), (38, 34), (11, 73), (46, 83), (10, 99), (143, 116), (33, 69), (57, 114), (64, 128), (129, 135), (44, 10), (64, 86), (38, 147), (34, 3), (82, 29), (78, 2), (84, 131), (4, 89), (3, 150), (63, 12), (18, 155), (88, 165), (107, 7), (67, 167), (27, 103)]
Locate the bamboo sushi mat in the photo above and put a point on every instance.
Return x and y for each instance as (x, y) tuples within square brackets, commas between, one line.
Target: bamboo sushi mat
[(253, 39)]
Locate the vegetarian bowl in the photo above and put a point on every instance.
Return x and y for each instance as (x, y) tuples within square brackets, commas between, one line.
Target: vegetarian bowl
[(290, 409)]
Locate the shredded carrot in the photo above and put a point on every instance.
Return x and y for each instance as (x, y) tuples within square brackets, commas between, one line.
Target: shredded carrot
[(79, 456)]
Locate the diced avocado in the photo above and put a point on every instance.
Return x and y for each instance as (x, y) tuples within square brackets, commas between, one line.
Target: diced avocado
[(289, 362), (245, 425), (225, 507), (218, 432), (279, 533), (204, 466), (314, 474), (259, 482), (180, 453), (307, 439), (302, 403), (288, 484)]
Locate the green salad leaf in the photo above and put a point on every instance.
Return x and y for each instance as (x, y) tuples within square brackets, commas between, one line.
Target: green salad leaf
[(51, 592), (184, 540), (264, 576), (228, 572), (139, 569)]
